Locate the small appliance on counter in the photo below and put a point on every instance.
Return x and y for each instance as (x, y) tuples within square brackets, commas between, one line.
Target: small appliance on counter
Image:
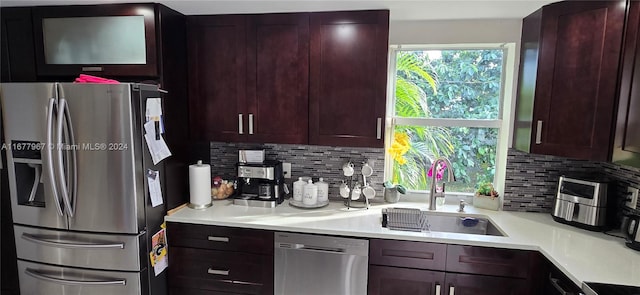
[(631, 231), (581, 203), (260, 184)]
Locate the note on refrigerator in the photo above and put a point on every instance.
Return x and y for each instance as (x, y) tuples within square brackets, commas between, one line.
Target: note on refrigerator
[(155, 142), (153, 112), (158, 255), (155, 191)]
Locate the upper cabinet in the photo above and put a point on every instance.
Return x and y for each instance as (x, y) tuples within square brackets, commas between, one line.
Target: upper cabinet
[(217, 63), (18, 63), (110, 40), (349, 53), (297, 78), (249, 77), (626, 148), (568, 80)]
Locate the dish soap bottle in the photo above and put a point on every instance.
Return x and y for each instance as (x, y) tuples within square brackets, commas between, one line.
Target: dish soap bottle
[(310, 196), (323, 190), (298, 187)]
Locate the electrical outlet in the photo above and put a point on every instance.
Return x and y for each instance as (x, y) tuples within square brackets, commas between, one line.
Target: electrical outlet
[(286, 170), (633, 194)]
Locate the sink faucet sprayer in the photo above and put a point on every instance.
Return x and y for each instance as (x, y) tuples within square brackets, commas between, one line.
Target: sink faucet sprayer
[(434, 181)]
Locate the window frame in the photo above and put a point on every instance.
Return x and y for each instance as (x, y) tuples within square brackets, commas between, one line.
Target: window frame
[(505, 111)]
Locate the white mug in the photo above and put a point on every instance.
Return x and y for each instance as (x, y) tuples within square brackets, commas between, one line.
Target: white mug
[(369, 192), (344, 190), (366, 170), (347, 169), (356, 192)]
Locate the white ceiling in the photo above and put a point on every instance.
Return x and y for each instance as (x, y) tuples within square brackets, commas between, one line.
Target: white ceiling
[(400, 9)]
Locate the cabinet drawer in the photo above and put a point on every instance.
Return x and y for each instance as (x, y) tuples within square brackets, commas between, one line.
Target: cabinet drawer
[(408, 254), (220, 271), (465, 284), (488, 261), (220, 238)]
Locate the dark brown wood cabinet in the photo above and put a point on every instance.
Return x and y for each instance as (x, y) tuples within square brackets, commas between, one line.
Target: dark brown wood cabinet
[(396, 280), (278, 78), (17, 62), (403, 267), (567, 84), (347, 89), (217, 63), (207, 259), (297, 78), (626, 147), (249, 77)]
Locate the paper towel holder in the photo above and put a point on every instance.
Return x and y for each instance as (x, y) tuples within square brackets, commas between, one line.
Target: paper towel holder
[(190, 204)]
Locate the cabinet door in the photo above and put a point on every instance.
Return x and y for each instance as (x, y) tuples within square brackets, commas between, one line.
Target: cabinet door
[(18, 57), (395, 281), (348, 78), (576, 80), (626, 149), (278, 78), (107, 40), (465, 284), (217, 75)]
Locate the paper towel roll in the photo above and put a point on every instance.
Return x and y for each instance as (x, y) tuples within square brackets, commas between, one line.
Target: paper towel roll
[(199, 185)]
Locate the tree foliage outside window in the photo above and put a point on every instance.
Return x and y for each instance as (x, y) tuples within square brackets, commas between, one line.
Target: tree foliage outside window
[(446, 84)]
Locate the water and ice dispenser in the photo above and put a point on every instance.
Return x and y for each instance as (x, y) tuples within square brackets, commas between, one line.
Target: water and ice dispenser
[(27, 173)]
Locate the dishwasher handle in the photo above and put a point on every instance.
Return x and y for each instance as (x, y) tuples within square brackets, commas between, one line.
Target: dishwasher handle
[(304, 247)]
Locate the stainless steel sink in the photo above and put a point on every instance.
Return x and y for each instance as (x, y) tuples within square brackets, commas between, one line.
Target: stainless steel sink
[(416, 220)]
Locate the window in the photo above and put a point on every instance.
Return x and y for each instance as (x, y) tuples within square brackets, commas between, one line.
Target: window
[(447, 102)]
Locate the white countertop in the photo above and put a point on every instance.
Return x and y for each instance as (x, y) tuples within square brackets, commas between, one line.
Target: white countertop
[(582, 255)]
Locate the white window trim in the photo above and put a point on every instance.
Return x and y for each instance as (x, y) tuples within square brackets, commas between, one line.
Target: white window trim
[(505, 115)]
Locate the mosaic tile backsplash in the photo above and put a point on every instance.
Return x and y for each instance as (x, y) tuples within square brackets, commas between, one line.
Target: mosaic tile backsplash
[(306, 160), (532, 180)]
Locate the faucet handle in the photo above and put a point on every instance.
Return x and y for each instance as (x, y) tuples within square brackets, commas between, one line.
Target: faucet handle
[(462, 203)]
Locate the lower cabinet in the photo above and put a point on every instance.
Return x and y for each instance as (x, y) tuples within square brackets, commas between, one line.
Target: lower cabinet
[(216, 260), (397, 281), (441, 269)]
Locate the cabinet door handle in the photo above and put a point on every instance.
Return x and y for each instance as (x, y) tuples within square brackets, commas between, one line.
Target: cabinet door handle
[(437, 289), (218, 239), (556, 285), (379, 129), (212, 271), (240, 129), (539, 132), (92, 69), (250, 123), (452, 290)]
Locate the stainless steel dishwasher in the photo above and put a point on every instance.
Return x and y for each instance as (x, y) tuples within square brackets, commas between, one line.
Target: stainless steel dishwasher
[(320, 265)]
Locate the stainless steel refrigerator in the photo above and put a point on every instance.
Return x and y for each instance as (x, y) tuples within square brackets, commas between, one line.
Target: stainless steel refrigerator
[(77, 163)]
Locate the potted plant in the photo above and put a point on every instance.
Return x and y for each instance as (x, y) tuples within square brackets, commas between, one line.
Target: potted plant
[(486, 197)]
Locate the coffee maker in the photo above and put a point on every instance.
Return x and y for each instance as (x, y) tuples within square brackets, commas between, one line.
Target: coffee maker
[(260, 184)]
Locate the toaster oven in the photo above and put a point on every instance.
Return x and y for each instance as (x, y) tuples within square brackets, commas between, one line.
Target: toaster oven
[(582, 203)]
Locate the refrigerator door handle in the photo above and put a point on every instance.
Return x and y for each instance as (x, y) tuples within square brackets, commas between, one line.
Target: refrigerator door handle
[(73, 160), (49, 154), (39, 276), (38, 240), (63, 181)]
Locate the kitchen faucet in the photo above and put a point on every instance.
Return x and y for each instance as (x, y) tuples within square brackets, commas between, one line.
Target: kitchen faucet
[(434, 180)]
